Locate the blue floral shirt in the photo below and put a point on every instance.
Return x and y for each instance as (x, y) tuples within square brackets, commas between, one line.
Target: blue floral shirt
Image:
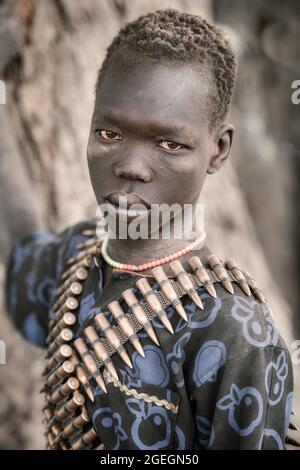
[(223, 380)]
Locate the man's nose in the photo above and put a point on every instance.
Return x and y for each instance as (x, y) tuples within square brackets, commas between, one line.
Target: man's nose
[(133, 166)]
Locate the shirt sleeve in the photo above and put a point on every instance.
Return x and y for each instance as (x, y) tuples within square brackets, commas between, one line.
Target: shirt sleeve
[(32, 275), (246, 404)]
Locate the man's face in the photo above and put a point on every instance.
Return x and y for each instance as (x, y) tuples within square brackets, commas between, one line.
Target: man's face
[(150, 133)]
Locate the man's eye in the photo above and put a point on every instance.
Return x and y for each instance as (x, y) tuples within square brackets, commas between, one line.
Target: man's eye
[(170, 145), (108, 135)]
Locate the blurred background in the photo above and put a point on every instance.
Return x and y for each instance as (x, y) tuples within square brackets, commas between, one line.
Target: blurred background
[(50, 51)]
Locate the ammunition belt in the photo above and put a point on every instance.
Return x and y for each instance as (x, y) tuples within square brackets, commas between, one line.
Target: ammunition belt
[(71, 364)]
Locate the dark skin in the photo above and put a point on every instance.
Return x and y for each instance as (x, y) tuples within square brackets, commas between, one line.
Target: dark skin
[(150, 135)]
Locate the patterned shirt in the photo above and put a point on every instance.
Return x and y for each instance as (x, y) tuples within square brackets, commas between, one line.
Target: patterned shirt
[(223, 380)]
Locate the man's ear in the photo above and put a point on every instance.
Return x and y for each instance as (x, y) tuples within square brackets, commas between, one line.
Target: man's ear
[(223, 143)]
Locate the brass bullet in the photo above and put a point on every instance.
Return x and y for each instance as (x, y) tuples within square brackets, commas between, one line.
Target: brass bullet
[(125, 325), (67, 320), (52, 323), (87, 244), (70, 304), (292, 441), (87, 262), (220, 271), (64, 336), (169, 291), (47, 414), (67, 409), (82, 376), (63, 353), (64, 390), (202, 275), (239, 276), (63, 445), (100, 350), (89, 362), (75, 425), (112, 337), (58, 439), (63, 371), (78, 423), (88, 252), (154, 303), (55, 429), (254, 287), (79, 275), (58, 316), (185, 282), (44, 388), (84, 441), (50, 439), (74, 289), (47, 403), (293, 426), (139, 313)]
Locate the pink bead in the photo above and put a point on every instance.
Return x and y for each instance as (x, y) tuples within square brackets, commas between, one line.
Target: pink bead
[(166, 259)]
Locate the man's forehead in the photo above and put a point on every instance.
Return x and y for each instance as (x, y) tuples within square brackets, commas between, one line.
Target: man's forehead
[(144, 80), (176, 95)]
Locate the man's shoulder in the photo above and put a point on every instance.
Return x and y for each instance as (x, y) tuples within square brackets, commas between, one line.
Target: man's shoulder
[(45, 251), (84, 228), (232, 320), (70, 240)]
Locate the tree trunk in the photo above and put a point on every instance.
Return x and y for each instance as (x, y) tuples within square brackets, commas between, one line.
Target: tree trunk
[(50, 52)]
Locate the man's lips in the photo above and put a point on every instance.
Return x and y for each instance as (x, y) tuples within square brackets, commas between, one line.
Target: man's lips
[(130, 213), (125, 201)]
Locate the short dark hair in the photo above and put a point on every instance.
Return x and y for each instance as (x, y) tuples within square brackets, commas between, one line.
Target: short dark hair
[(172, 36)]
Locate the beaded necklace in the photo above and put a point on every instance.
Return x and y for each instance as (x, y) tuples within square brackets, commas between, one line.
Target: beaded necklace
[(151, 264)]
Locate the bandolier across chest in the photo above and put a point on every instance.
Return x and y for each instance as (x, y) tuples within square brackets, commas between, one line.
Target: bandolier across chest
[(73, 363)]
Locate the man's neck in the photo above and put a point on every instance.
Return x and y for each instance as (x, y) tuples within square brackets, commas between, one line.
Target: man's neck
[(142, 251), (140, 254)]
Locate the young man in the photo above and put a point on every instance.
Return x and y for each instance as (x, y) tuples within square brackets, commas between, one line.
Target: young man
[(153, 343)]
